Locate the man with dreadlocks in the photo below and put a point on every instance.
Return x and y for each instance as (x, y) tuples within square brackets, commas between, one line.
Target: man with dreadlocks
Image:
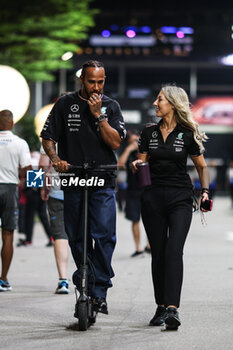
[(88, 126)]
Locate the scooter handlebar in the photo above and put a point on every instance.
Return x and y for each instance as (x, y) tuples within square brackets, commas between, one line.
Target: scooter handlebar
[(99, 167)]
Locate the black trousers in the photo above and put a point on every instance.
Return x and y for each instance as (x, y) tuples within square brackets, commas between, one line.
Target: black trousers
[(36, 205), (167, 215)]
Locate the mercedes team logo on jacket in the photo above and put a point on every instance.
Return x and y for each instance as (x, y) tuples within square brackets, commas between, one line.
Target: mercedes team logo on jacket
[(74, 108)]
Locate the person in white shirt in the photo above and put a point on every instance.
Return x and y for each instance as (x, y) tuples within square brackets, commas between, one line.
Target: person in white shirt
[(14, 154)]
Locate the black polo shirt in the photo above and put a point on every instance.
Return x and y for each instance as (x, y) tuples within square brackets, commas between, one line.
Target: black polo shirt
[(168, 159), (73, 127)]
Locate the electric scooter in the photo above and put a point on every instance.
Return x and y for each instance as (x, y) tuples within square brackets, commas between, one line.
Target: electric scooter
[(84, 309)]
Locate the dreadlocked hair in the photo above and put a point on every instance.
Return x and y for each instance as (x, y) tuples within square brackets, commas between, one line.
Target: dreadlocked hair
[(91, 64)]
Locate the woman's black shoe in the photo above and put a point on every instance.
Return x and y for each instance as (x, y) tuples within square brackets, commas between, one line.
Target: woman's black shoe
[(172, 319), (147, 250), (136, 253), (158, 319)]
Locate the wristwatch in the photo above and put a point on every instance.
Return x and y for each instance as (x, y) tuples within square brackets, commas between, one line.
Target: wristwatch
[(101, 117)]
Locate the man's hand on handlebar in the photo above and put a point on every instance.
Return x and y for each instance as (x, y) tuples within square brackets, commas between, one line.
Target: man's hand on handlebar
[(61, 166)]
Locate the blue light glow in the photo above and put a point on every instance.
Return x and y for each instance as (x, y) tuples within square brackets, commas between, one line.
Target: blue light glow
[(186, 30), (168, 30), (146, 29), (106, 33), (174, 30), (114, 27), (135, 29)]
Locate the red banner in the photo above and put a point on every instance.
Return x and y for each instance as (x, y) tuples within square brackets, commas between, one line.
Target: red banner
[(214, 110)]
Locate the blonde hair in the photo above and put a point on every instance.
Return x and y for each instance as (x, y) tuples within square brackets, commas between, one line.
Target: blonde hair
[(178, 98)]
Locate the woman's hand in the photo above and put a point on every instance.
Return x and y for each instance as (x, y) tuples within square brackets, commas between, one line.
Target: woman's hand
[(134, 165), (204, 197)]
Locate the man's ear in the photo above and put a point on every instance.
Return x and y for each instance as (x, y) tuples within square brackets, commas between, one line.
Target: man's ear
[(12, 124)]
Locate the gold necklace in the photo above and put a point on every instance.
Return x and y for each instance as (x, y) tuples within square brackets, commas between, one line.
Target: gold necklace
[(168, 130)]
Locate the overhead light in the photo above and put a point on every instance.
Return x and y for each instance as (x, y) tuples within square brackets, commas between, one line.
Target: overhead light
[(130, 33), (67, 55), (122, 40), (180, 34), (106, 33), (14, 92), (227, 60), (78, 73)]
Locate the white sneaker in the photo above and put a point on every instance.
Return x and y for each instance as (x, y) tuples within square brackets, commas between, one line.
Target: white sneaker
[(5, 286)]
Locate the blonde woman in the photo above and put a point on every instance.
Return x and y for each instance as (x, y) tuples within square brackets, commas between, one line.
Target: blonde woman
[(167, 203)]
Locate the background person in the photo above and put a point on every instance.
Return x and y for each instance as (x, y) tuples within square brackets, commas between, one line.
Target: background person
[(35, 205), (133, 190), (55, 199), (22, 209), (167, 203), (121, 186), (88, 126), (14, 153), (230, 181)]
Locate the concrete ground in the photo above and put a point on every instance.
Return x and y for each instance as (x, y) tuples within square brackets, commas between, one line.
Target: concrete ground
[(33, 317)]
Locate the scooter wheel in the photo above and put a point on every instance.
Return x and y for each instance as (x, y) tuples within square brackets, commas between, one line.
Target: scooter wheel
[(83, 316), (92, 313)]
